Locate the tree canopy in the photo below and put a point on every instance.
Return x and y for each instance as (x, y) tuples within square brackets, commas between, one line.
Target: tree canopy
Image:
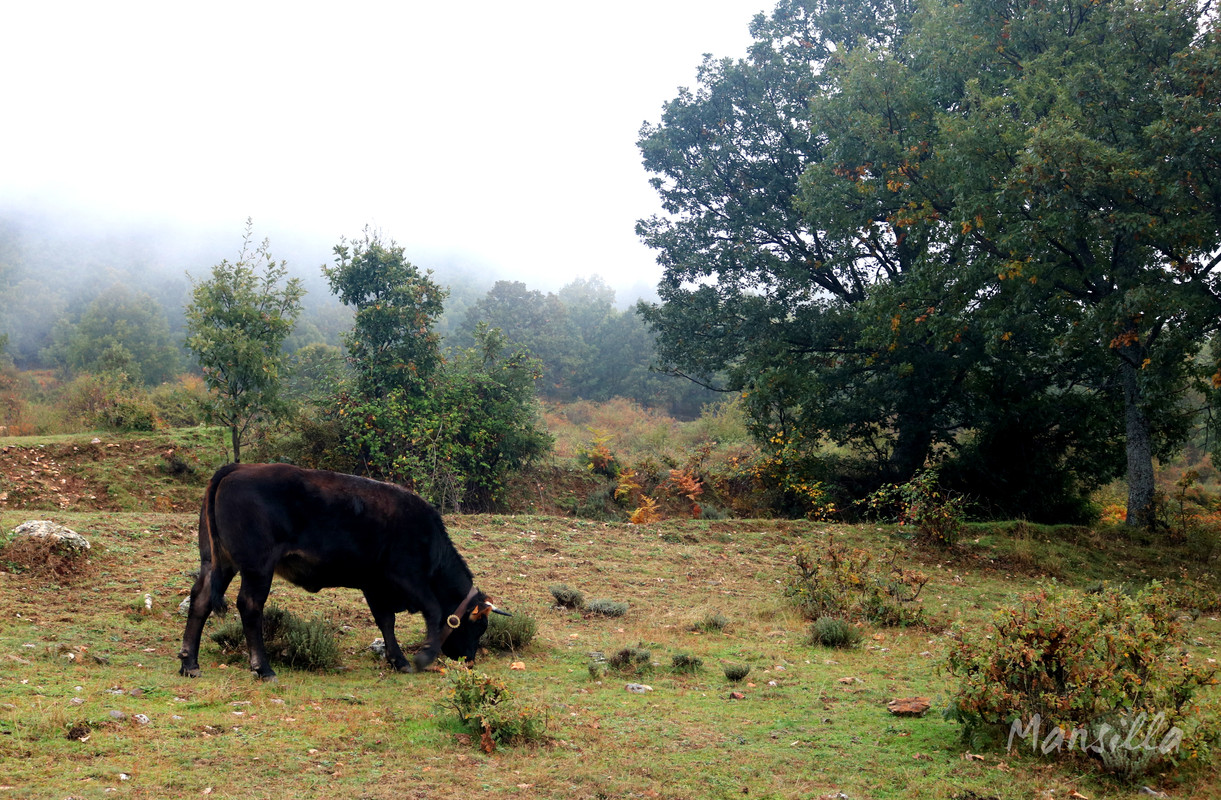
[(950, 230)]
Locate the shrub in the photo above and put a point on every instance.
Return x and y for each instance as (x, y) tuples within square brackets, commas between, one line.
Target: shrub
[(936, 515), (831, 580), (735, 672), (289, 640), (606, 608), (181, 403), (598, 456), (714, 621), (682, 662), (1062, 664), (110, 401), (834, 632), (631, 661), (486, 706), (566, 596), (509, 633)]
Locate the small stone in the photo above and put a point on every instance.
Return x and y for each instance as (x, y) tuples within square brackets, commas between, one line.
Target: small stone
[(76, 701), (184, 608), (142, 719), (119, 715), (378, 646), (736, 696), (638, 688)]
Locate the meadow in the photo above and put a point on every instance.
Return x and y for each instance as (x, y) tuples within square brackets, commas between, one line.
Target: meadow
[(91, 703)]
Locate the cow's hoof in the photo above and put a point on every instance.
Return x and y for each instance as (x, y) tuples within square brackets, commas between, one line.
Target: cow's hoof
[(265, 677), (192, 672)]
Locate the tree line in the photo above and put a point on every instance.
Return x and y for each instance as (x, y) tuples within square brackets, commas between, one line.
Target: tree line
[(979, 234), (387, 395)]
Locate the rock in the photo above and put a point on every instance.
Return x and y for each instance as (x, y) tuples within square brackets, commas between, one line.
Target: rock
[(378, 646), (142, 719), (638, 688), (909, 706), (736, 696), (184, 608), (119, 715), (45, 529)]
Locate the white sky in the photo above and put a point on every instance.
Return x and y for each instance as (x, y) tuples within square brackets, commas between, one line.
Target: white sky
[(490, 134)]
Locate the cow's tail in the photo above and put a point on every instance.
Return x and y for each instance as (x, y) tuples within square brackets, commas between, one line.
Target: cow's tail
[(207, 541)]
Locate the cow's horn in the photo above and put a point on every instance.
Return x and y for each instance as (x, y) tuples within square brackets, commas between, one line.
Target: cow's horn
[(496, 610)]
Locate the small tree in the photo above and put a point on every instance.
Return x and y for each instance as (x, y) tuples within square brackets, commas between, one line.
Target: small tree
[(237, 322), (392, 344)]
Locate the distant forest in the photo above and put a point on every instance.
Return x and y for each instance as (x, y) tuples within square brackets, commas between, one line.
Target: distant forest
[(73, 299)]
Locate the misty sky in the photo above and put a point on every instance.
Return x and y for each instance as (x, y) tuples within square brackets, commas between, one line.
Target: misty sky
[(493, 135)]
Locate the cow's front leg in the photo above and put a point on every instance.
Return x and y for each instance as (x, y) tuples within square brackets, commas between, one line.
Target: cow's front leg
[(250, 601), (433, 620), (385, 623)]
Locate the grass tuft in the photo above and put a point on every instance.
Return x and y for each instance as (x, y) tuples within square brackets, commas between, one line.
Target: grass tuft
[(509, 633), (735, 671), (567, 596), (606, 608), (290, 640)]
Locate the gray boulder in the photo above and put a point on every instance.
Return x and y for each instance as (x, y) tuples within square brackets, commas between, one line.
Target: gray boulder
[(45, 529)]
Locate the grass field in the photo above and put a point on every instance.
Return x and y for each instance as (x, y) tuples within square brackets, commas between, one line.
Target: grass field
[(79, 661)]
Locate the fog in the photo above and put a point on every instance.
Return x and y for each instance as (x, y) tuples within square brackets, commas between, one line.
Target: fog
[(488, 139)]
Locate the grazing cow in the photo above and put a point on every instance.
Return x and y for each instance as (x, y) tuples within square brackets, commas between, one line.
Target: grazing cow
[(319, 529)]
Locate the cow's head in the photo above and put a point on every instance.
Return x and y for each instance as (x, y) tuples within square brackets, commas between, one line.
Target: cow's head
[(464, 636)]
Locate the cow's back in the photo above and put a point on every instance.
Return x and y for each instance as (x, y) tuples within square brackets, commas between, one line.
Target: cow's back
[(318, 528)]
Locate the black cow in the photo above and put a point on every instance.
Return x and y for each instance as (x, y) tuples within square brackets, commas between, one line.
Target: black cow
[(319, 529)]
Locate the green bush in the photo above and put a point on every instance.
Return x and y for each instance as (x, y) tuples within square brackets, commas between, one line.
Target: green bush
[(735, 672), (1059, 665), (290, 640), (828, 579), (111, 402), (606, 608), (486, 706), (509, 633), (684, 663), (567, 596), (834, 632), (631, 661)]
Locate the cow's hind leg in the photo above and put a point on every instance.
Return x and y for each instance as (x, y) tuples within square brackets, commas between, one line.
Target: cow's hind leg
[(209, 588), (384, 617), (250, 601)]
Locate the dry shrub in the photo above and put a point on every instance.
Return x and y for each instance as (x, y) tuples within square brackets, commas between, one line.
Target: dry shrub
[(45, 558)]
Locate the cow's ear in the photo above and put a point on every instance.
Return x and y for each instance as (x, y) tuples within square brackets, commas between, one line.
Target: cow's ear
[(482, 610)]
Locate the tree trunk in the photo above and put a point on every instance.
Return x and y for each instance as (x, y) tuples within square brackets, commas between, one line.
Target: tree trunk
[(1139, 448), (237, 445)]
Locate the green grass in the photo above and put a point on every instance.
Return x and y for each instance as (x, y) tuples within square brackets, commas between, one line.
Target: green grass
[(365, 731)]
